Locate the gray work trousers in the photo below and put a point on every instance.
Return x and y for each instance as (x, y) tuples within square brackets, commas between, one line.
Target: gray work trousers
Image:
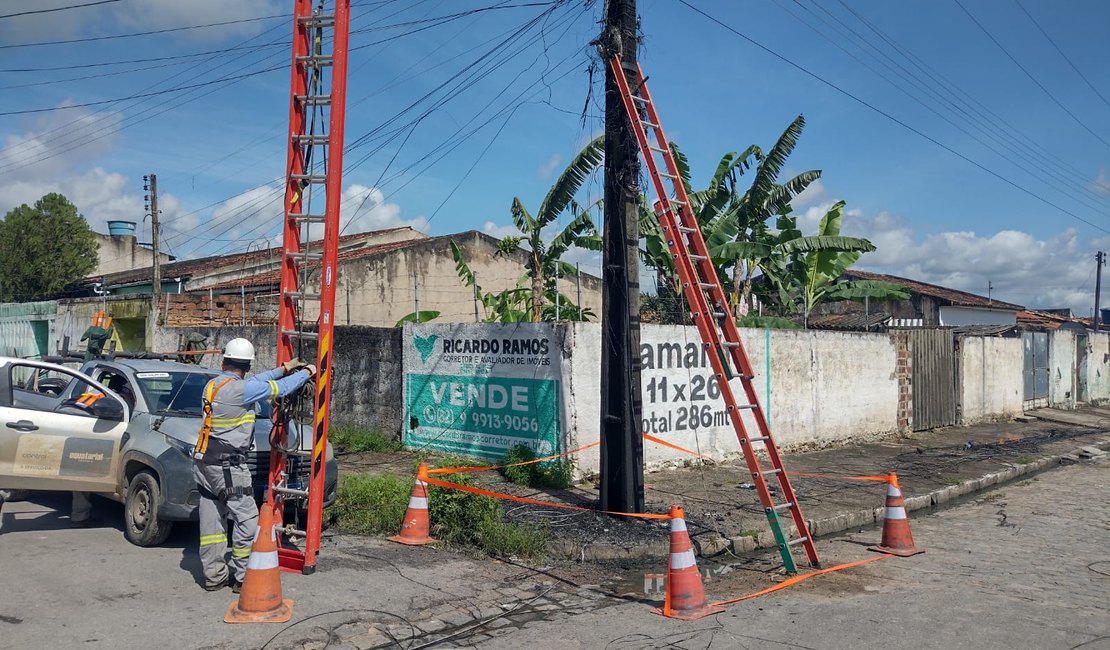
[(238, 506), (81, 508)]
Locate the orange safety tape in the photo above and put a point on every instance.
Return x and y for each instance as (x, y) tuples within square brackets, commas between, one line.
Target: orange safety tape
[(796, 579), (884, 478), (464, 470), (648, 436), (509, 497)]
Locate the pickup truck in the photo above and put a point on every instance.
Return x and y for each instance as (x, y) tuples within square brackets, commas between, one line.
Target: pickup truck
[(132, 445)]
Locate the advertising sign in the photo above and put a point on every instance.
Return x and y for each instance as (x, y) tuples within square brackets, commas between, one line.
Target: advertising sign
[(480, 389), (680, 393)]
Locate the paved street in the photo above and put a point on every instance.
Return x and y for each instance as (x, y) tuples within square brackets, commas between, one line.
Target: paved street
[(1025, 566)]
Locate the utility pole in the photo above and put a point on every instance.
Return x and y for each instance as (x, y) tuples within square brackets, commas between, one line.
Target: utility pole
[(1100, 260), (156, 280), (622, 466)]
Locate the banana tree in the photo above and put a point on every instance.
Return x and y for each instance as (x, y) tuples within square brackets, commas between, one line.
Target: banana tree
[(801, 271), (507, 306), (545, 259)]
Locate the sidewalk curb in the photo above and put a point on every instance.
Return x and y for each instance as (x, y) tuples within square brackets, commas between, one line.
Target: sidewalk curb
[(710, 544)]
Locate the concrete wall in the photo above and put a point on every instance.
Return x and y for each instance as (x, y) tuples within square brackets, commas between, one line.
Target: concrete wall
[(1062, 369), (990, 378), (367, 368), (954, 316), (28, 330), (1098, 367), (825, 387), (131, 316), (122, 253)]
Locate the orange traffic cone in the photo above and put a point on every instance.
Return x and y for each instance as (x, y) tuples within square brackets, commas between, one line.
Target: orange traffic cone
[(685, 596), (260, 598), (897, 539), (414, 529)]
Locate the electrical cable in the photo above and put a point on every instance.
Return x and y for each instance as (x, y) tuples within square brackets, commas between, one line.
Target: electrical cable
[(892, 118), (55, 9), (1061, 53)]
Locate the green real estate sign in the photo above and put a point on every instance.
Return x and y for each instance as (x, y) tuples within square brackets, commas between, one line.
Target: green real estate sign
[(481, 389)]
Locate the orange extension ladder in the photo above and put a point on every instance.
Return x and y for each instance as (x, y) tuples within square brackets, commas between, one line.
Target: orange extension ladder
[(308, 266), (706, 298)]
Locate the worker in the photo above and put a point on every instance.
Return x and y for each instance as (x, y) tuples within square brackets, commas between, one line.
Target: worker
[(219, 467)]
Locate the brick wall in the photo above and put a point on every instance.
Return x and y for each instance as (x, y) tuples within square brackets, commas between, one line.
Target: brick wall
[(903, 370), (195, 310)]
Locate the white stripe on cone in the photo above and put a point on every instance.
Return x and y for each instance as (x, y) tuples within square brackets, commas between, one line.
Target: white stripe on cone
[(683, 560), (678, 524), (419, 482), (263, 560), (892, 491), (895, 512), (418, 502)]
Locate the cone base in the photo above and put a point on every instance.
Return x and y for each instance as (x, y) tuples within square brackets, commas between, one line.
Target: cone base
[(689, 614), (900, 552), (281, 614), (412, 541)]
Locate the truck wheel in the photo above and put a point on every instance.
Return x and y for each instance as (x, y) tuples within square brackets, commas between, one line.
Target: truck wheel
[(142, 527)]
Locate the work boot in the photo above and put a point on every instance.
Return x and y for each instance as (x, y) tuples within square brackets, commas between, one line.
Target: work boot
[(236, 585), (219, 585)]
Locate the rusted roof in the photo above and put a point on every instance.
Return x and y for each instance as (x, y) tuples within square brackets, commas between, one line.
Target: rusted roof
[(1047, 320), (951, 296), (189, 268), (273, 278), (851, 322)]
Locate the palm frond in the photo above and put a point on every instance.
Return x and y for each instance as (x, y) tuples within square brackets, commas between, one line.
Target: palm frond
[(571, 180)]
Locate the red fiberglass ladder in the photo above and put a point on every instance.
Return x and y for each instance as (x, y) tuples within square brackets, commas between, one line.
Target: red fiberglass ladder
[(706, 299), (308, 266)]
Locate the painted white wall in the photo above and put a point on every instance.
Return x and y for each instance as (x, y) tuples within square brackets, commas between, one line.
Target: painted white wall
[(1061, 369), (952, 316), (1098, 367), (990, 378), (825, 387)]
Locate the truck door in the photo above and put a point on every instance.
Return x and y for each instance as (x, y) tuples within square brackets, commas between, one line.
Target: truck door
[(51, 439)]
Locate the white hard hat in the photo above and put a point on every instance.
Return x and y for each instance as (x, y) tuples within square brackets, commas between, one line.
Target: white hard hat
[(239, 350)]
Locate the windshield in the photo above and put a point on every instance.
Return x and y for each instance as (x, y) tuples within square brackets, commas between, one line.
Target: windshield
[(177, 393)]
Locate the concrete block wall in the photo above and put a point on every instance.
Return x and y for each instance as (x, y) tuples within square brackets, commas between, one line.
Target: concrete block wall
[(1098, 367), (990, 378), (1062, 369)]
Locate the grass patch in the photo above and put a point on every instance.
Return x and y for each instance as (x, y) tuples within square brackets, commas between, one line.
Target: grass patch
[(550, 474), (1023, 460), (952, 480), (357, 440), (375, 505), (752, 532)]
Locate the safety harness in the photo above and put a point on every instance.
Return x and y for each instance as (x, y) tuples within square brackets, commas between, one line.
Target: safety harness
[(226, 460)]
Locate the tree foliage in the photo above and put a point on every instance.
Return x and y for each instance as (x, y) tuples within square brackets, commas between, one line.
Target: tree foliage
[(44, 249)]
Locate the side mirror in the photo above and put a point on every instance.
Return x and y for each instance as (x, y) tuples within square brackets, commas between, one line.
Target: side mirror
[(107, 408)]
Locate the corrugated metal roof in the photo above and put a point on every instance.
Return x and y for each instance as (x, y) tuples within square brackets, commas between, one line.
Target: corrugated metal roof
[(854, 322), (952, 296)]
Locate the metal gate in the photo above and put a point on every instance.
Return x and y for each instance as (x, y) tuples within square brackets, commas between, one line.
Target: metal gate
[(1035, 369), (934, 379)]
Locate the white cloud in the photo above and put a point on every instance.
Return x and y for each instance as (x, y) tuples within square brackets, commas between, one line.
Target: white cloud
[(38, 162), (546, 170), (365, 208), (811, 195), (500, 232), (1101, 183)]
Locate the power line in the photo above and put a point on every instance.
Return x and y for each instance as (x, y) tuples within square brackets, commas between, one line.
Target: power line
[(1030, 75), (147, 33), (47, 11), (1061, 53), (890, 117)]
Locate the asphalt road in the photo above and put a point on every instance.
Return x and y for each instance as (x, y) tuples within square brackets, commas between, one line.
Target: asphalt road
[(1025, 566)]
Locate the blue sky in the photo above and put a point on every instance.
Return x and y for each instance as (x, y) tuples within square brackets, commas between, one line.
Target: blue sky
[(509, 129)]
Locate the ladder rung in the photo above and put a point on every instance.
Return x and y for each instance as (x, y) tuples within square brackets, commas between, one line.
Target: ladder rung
[(731, 344), (657, 149), (699, 258), (670, 176), (759, 439), (307, 218), (290, 492), (310, 138), (649, 124), (293, 532), (744, 407), (784, 506), (677, 202), (687, 229), (769, 472), (297, 334), (706, 285), (314, 100), (637, 98), (315, 60), (301, 295), (311, 178), (795, 542), (305, 257)]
